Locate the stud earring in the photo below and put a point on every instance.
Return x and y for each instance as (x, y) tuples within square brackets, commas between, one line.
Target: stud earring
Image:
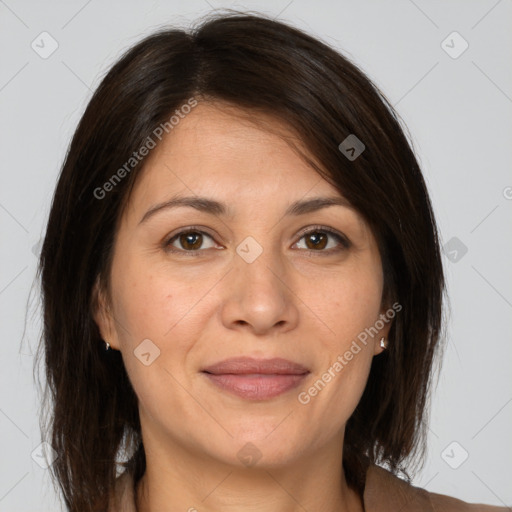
[(107, 345), (383, 343)]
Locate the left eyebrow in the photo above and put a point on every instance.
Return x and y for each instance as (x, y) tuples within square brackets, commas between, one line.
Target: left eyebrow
[(207, 205), (315, 204)]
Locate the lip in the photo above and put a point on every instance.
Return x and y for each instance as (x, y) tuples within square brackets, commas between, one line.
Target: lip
[(256, 379), (248, 365)]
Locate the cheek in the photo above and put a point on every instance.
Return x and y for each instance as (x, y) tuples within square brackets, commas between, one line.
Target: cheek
[(155, 332), (347, 303), (148, 303), (339, 383)]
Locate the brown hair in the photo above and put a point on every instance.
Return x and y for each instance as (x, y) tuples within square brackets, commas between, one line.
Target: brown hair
[(264, 66)]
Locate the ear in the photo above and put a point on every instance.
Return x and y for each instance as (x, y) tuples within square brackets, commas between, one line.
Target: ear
[(384, 332), (102, 314)]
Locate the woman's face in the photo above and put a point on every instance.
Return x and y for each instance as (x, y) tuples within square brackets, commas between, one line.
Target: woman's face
[(246, 282)]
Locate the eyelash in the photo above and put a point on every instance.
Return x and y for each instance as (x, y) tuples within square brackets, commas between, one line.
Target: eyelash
[(315, 229)]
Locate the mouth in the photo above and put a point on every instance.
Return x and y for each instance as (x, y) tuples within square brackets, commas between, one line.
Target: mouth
[(256, 379)]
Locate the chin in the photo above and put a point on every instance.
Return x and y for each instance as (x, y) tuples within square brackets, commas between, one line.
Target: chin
[(252, 448)]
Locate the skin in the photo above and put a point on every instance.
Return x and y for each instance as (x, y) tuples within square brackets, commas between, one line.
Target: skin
[(301, 305)]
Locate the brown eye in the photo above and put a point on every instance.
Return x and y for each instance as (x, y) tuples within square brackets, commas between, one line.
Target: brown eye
[(191, 241), (318, 239), (188, 241)]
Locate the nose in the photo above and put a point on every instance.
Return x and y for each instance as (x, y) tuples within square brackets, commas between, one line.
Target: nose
[(259, 296)]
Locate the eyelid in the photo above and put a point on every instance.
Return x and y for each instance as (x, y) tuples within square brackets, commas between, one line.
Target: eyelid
[(189, 229), (335, 233), (183, 231), (341, 238)]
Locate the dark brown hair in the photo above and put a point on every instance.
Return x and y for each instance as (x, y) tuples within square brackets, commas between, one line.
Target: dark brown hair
[(263, 66)]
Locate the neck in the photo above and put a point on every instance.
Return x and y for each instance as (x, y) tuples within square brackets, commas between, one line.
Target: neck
[(311, 483)]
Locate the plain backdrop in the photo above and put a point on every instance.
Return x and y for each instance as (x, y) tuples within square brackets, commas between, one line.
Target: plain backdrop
[(457, 104)]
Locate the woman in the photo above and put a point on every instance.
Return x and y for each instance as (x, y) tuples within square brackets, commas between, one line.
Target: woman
[(242, 284)]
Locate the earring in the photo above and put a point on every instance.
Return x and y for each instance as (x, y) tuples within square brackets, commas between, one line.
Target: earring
[(383, 343), (107, 345)]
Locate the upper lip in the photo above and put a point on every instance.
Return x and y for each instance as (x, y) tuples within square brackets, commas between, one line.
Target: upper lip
[(250, 365)]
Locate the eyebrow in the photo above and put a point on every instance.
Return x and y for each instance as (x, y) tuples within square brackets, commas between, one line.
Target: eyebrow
[(207, 205)]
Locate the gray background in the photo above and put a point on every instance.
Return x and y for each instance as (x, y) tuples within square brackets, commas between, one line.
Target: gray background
[(458, 111)]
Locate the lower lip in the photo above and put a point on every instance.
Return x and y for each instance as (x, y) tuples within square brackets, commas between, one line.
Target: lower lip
[(256, 387)]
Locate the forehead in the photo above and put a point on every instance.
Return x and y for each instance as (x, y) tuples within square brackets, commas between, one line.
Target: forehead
[(234, 152), (235, 167)]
